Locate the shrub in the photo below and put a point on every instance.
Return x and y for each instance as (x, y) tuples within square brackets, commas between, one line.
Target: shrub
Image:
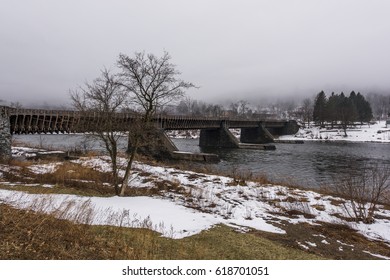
[(363, 192)]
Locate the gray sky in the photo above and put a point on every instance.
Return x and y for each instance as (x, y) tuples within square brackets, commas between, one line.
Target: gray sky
[(244, 49)]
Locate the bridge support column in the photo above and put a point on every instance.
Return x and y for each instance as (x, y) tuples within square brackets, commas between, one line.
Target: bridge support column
[(291, 127), (164, 148), (5, 135), (220, 137), (157, 144), (256, 135)]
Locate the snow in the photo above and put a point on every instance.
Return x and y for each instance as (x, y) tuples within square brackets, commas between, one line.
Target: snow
[(345, 244), (311, 244), (377, 255), (44, 168), (32, 152), (303, 245), (183, 134), (164, 216), (26, 185), (377, 132), (204, 201)]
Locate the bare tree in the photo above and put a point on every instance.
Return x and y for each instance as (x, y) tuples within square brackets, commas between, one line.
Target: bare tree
[(307, 110), (152, 81), (243, 107), (234, 107), (99, 103), (364, 191), (16, 105), (215, 110), (380, 104), (187, 106), (146, 81), (191, 105)]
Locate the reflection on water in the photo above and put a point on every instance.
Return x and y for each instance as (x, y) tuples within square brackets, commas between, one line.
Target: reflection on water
[(311, 164)]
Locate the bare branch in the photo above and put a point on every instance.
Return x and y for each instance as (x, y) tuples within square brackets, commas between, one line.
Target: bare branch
[(153, 81), (363, 192)]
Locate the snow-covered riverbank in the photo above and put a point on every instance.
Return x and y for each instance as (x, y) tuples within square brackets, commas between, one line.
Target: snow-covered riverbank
[(377, 132), (203, 201)]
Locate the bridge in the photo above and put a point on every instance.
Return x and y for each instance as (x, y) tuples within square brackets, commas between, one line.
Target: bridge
[(214, 132)]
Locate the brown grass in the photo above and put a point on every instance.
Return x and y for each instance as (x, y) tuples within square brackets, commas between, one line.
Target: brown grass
[(68, 178), (28, 235)]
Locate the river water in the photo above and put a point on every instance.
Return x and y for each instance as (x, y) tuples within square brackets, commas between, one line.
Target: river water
[(311, 164)]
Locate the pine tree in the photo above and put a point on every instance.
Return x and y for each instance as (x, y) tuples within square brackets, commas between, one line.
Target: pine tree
[(347, 111), (363, 107), (319, 111), (331, 109)]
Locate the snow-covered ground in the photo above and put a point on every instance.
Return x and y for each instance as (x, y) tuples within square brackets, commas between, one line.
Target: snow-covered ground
[(377, 132), (203, 201)]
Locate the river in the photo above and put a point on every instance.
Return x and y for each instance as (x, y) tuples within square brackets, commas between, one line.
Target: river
[(311, 164)]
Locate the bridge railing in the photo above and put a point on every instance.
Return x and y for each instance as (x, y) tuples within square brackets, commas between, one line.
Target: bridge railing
[(40, 120)]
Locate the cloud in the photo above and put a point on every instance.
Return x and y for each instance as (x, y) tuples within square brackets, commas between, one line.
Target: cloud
[(248, 48)]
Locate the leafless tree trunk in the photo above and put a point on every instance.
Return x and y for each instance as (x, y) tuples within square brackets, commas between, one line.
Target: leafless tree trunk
[(99, 103), (152, 82), (307, 110), (148, 82), (243, 108)]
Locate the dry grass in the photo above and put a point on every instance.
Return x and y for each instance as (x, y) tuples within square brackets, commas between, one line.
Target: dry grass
[(28, 235), (68, 178), (77, 177)]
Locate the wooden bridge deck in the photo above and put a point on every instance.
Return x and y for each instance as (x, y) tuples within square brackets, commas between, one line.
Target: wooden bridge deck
[(56, 121)]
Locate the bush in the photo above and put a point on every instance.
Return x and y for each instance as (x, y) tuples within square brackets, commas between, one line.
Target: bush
[(364, 191)]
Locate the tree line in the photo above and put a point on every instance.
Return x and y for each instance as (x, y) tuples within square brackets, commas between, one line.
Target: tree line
[(340, 109)]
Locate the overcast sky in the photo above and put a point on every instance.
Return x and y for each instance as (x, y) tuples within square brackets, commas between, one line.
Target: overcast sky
[(244, 49)]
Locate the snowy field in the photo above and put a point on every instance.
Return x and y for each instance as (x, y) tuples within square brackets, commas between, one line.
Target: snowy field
[(205, 200), (377, 132)]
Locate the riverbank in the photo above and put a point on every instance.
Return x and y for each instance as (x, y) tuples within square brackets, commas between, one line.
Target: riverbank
[(376, 133), (179, 204)]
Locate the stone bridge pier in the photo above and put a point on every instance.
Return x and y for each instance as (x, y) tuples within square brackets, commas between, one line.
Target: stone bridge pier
[(222, 137), (5, 134), (256, 135), (218, 137)]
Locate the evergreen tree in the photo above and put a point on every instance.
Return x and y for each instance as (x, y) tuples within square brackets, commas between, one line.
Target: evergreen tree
[(363, 107), (319, 111), (347, 112), (331, 109), (339, 109)]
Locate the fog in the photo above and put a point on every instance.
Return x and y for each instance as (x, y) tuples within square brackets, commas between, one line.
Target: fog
[(246, 49)]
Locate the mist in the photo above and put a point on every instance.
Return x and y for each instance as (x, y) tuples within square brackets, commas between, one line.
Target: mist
[(251, 49)]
